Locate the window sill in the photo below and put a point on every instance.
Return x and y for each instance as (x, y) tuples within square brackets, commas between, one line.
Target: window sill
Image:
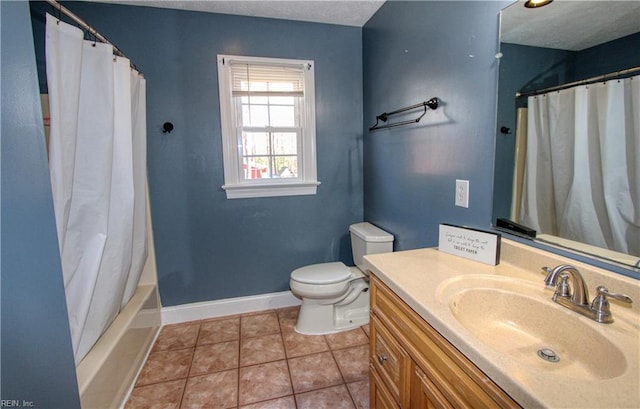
[(245, 191)]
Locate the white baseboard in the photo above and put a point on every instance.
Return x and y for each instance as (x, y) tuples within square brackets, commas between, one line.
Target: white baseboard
[(228, 306)]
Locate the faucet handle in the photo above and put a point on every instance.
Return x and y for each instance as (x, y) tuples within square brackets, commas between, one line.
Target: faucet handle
[(562, 288), (603, 291), (600, 304)]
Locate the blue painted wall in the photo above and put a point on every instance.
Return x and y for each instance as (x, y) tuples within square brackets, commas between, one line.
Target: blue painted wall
[(413, 51), (524, 68), (609, 57), (37, 357), (209, 247)]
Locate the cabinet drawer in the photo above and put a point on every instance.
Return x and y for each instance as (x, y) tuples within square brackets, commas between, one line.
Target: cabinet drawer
[(448, 370), (388, 358)]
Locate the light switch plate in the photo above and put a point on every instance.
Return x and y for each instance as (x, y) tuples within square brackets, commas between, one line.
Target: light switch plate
[(462, 193)]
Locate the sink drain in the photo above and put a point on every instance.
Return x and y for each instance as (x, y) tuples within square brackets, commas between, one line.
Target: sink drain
[(548, 355)]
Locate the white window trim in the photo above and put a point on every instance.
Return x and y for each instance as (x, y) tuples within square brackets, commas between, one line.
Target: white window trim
[(234, 186)]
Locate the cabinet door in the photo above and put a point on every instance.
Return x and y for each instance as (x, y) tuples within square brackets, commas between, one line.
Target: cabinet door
[(425, 394), (379, 395)]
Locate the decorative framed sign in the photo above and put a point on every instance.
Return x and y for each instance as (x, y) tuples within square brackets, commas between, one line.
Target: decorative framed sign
[(474, 244)]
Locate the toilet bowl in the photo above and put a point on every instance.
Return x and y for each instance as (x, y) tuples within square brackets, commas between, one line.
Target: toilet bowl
[(336, 297)]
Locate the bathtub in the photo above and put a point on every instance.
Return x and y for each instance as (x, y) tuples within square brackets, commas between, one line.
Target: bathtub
[(107, 373)]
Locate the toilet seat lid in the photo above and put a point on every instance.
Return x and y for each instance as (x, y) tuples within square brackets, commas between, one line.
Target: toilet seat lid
[(324, 273)]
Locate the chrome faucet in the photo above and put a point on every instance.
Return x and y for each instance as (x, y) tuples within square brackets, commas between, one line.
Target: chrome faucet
[(575, 295), (579, 295)]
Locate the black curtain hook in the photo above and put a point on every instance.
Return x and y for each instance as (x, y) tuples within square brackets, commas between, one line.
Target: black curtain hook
[(167, 127)]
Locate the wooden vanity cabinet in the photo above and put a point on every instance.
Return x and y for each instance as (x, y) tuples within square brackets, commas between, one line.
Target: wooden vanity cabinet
[(413, 366)]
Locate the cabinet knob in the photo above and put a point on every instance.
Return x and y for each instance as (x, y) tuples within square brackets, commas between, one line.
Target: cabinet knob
[(381, 359)]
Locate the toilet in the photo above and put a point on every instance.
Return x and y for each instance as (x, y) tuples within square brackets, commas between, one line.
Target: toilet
[(336, 297)]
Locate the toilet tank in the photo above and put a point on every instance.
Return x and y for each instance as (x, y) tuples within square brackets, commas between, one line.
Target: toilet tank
[(368, 239)]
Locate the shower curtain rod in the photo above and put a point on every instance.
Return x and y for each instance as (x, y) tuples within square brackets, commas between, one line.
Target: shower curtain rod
[(581, 82), (92, 31)]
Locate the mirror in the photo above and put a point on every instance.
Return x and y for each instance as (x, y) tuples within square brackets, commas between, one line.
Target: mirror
[(563, 42)]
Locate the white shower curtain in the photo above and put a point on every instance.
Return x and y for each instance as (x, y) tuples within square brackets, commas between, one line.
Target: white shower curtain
[(582, 177), (97, 110)]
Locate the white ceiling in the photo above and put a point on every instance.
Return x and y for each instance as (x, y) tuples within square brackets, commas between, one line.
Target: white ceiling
[(343, 12), (564, 24), (570, 24)]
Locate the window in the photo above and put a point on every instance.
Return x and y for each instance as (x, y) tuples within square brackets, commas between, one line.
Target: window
[(267, 109)]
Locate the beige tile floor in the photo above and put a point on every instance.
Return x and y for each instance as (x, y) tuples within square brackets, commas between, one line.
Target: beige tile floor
[(254, 361)]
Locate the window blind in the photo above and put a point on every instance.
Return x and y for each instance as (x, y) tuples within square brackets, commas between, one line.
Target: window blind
[(266, 80)]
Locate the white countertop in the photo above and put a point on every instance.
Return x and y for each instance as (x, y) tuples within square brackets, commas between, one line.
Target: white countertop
[(417, 275)]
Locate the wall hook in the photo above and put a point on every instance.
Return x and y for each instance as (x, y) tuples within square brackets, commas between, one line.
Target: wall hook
[(505, 131), (167, 127)]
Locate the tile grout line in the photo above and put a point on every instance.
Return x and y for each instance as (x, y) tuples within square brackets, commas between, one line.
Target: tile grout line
[(279, 333), (193, 357), (166, 380), (346, 385), (239, 360), (344, 380), (286, 359)]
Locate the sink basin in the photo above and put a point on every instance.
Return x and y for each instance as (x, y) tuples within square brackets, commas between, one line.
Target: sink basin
[(517, 318), (454, 285)]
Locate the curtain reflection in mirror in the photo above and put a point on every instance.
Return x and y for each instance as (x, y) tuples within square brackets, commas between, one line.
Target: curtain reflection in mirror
[(582, 175)]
